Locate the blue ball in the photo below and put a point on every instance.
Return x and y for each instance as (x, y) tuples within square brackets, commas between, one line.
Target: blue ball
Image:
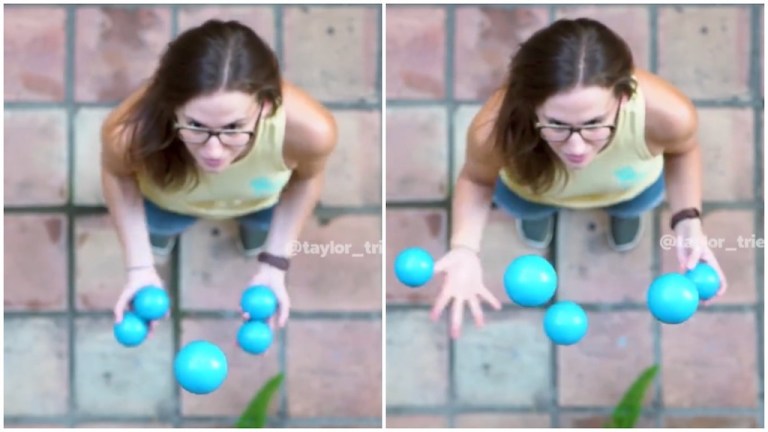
[(672, 298), (565, 323), (131, 331), (254, 337), (414, 267), (259, 302), (200, 367), (151, 303), (706, 279), (530, 281)]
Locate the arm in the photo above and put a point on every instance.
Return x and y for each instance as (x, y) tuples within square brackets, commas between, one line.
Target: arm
[(126, 208), (471, 205), (311, 137), (474, 187), (121, 191), (682, 161), (672, 128)]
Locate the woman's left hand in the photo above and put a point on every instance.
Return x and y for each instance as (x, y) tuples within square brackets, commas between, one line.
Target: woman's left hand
[(692, 248), (275, 279)]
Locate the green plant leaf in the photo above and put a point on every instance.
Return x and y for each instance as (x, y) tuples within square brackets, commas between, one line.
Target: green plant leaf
[(255, 415), (626, 413)]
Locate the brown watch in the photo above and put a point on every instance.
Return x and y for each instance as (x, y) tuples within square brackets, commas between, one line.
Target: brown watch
[(689, 213), (275, 261)]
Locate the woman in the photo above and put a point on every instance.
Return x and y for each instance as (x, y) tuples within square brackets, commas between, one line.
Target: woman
[(215, 134), (576, 126)]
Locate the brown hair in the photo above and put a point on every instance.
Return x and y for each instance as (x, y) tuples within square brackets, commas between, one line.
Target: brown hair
[(557, 58), (215, 56)]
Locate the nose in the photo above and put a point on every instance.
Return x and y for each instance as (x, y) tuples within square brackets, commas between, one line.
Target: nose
[(213, 149), (575, 145)]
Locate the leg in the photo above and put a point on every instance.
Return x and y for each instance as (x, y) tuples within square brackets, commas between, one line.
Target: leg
[(253, 229), (535, 222), (626, 217), (164, 226)]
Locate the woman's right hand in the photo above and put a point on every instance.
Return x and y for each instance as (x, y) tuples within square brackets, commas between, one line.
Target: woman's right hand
[(137, 279), (463, 283)]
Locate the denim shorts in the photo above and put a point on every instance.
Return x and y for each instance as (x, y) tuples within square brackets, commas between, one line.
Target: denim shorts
[(167, 223), (520, 208)]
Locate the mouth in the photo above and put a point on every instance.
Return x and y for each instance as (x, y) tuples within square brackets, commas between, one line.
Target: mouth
[(576, 159), (213, 163)]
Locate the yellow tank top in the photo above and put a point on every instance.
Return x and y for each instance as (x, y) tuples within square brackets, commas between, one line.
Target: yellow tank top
[(250, 184), (620, 172)]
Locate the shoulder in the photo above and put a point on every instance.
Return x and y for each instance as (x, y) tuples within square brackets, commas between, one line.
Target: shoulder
[(480, 135), (311, 131), (671, 121), (116, 134)]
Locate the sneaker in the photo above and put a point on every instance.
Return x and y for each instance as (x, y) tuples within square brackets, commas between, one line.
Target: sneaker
[(162, 245), (251, 240), (536, 233), (625, 233)]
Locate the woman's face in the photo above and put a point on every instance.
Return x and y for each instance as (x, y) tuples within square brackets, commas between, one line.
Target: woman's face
[(593, 109), (232, 113)]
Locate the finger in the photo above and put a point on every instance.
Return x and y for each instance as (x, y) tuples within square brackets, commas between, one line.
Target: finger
[(486, 295), (680, 253), (710, 259), (440, 265), (271, 322), (477, 311), (442, 300), (120, 307), (693, 258), (284, 312), (456, 318)]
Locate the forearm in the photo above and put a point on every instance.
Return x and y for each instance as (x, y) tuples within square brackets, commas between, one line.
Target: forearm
[(126, 209), (296, 205), (470, 208), (683, 179)]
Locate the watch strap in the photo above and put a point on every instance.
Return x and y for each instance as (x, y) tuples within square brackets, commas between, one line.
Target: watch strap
[(278, 262), (688, 213)]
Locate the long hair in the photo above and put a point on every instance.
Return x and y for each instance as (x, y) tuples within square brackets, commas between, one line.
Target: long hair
[(557, 58), (215, 56)]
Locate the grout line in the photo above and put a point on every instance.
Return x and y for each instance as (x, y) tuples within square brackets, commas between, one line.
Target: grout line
[(174, 10), (278, 12), (69, 76), (450, 107), (755, 77), (653, 32), (397, 411), (382, 91), (361, 105), (552, 16), (174, 285), (379, 77), (732, 102), (605, 308), (656, 329), (209, 314), (282, 354), (598, 410), (656, 333), (373, 105)]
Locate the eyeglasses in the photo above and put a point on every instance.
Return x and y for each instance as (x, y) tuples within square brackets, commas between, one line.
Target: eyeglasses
[(228, 137), (235, 138), (594, 134)]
